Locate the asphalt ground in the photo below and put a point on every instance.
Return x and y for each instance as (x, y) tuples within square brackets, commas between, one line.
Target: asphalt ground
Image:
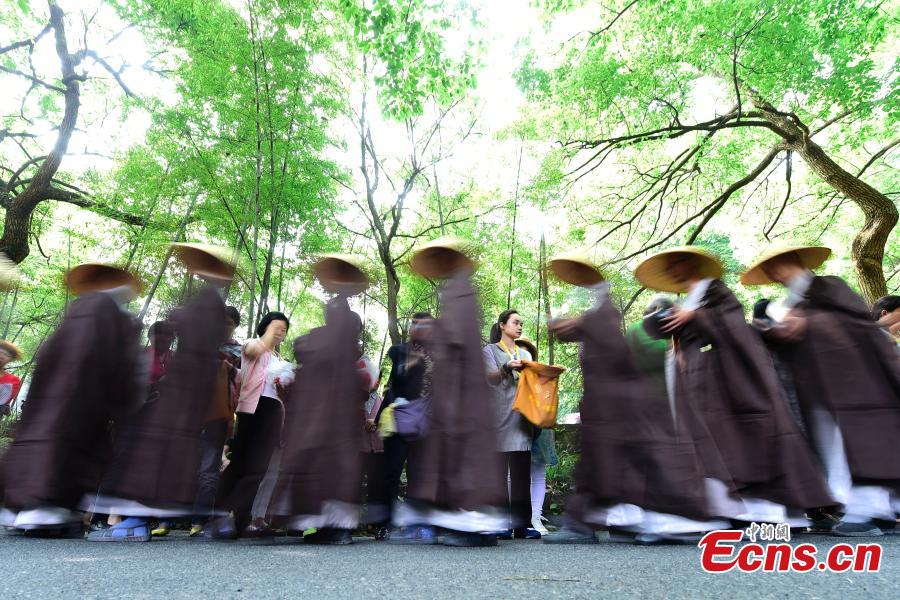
[(180, 567)]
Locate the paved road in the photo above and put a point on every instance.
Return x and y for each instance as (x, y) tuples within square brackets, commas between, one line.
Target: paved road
[(178, 567)]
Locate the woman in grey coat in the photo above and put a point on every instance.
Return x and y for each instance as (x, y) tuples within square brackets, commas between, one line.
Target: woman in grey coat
[(503, 360)]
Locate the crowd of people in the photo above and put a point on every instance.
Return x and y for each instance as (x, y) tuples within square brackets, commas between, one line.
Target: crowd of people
[(690, 421)]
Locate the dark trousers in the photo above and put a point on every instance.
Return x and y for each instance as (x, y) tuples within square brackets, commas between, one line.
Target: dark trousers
[(212, 441), (377, 502), (256, 438), (396, 452), (517, 465)]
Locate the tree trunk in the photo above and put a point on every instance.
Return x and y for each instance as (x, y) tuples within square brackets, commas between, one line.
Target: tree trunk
[(880, 212), (546, 293), (165, 264), (270, 257), (256, 191), (14, 241), (393, 291)]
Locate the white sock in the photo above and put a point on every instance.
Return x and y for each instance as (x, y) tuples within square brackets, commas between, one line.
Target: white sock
[(538, 489)]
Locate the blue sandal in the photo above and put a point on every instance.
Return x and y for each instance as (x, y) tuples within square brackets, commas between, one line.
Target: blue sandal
[(131, 529)]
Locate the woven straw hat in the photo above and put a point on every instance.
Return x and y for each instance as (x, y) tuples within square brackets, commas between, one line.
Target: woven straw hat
[(341, 273), (810, 256), (9, 273), (206, 260), (12, 349), (526, 343), (95, 277), (441, 258), (653, 271), (576, 268)]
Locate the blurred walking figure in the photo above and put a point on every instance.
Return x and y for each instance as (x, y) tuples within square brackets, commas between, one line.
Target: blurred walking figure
[(454, 481), (649, 352), (543, 454), (638, 469), (161, 336), (319, 484), (724, 377), (155, 470), (9, 384), (412, 369), (886, 312), (376, 498), (260, 417), (847, 377), (218, 425), (86, 377), (503, 359)]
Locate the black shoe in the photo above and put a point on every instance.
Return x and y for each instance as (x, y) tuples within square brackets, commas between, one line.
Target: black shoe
[(526, 533), (469, 540), (887, 526), (666, 539), (381, 534), (867, 529), (821, 521), (70, 531), (328, 536), (571, 536)]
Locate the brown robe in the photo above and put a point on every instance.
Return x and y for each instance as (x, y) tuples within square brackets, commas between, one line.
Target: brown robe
[(727, 382), (454, 467), (631, 449), (321, 459), (845, 364), (86, 378), (158, 452)]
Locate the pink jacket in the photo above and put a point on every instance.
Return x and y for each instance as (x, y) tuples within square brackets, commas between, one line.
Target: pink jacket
[(252, 381)]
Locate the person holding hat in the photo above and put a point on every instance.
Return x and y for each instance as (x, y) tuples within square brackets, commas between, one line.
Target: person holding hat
[(320, 481), (159, 449), (638, 470), (86, 377), (847, 378), (455, 480), (726, 382), (9, 383)]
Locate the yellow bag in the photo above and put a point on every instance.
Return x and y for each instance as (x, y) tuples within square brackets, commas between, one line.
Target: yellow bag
[(537, 397)]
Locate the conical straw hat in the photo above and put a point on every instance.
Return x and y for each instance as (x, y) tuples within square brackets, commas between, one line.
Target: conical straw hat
[(9, 273), (12, 349), (206, 260), (576, 268), (528, 345), (653, 272), (341, 273), (810, 256), (441, 258), (95, 277)]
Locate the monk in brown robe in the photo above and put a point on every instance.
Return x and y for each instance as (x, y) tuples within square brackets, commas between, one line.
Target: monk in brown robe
[(455, 479), (321, 469), (154, 473), (86, 379), (847, 378), (638, 467), (725, 377)]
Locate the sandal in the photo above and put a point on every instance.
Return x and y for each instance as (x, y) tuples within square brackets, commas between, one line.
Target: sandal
[(129, 530)]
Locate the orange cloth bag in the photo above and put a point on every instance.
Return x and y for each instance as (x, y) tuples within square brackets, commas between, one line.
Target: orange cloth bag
[(537, 397)]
